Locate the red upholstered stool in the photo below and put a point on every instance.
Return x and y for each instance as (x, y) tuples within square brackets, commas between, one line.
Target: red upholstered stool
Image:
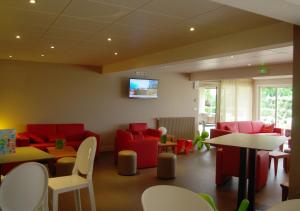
[(180, 145), (188, 146)]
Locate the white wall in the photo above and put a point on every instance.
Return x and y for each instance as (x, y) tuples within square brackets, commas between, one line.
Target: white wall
[(54, 93)]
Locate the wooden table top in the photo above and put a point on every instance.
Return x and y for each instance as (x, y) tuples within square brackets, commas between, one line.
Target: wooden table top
[(250, 141), (25, 154), (167, 144), (67, 151)]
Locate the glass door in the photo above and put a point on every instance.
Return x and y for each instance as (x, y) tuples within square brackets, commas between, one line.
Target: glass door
[(276, 106), (207, 107)]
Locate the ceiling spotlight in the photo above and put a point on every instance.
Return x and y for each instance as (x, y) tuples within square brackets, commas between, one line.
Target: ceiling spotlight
[(109, 39), (32, 1), (42, 55), (18, 37), (192, 29), (10, 56), (116, 53), (52, 46)]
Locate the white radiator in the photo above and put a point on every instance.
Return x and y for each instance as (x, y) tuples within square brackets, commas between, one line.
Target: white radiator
[(179, 127)]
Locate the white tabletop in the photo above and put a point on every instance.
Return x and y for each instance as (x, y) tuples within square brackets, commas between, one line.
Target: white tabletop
[(172, 198), (251, 141), (290, 205)]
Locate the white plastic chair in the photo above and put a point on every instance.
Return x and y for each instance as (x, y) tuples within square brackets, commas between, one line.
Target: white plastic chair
[(83, 166), (172, 198), (25, 188)]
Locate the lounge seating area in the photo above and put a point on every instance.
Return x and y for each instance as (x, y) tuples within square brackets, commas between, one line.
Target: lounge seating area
[(149, 105)]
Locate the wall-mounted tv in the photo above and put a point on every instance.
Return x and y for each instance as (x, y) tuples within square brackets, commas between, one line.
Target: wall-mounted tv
[(143, 88)]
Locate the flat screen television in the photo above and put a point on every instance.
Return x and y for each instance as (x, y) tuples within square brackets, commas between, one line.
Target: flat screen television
[(143, 88)]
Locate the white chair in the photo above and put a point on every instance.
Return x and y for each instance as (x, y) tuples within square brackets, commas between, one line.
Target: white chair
[(83, 166), (25, 188)]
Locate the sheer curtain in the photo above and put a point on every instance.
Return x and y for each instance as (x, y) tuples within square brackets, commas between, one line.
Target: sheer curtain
[(236, 100)]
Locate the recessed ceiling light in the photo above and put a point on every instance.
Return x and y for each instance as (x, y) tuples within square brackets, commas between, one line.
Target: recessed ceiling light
[(42, 55), (32, 1), (10, 56), (116, 53), (231, 57), (18, 37), (109, 39), (192, 29), (52, 46)]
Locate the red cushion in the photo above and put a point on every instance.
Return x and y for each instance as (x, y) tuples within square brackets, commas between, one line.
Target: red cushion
[(53, 138), (231, 126), (245, 127), (71, 131), (36, 139), (42, 130), (267, 128)]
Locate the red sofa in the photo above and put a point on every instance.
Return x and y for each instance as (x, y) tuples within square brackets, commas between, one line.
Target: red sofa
[(227, 158), (45, 135), (146, 149), (251, 127), (142, 131)]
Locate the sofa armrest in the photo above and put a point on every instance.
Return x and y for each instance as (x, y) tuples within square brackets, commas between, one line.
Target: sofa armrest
[(278, 130), (97, 136), (153, 132), (22, 140), (218, 132)]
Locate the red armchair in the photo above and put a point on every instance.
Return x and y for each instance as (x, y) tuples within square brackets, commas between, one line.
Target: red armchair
[(228, 162), (146, 149), (142, 129), (44, 135)]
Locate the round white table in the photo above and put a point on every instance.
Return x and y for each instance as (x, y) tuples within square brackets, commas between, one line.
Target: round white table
[(289, 205), (172, 198)]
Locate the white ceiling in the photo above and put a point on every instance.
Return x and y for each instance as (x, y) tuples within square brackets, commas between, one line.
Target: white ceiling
[(79, 28), (255, 58), (285, 10)]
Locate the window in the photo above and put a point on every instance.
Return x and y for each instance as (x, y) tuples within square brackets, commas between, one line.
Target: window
[(276, 106)]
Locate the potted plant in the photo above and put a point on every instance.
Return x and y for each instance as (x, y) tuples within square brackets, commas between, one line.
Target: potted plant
[(199, 140)]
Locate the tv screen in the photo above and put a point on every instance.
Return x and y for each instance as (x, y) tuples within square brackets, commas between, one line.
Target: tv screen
[(143, 88)]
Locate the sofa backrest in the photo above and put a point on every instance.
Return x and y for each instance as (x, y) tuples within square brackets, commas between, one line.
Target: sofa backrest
[(257, 126), (138, 127), (72, 132), (245, 127), (42, 130), (241, 126)]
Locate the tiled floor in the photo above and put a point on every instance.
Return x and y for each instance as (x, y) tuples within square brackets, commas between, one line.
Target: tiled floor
[(195, 172)]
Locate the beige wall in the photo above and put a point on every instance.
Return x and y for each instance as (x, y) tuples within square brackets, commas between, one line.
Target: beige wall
[(53, 93)]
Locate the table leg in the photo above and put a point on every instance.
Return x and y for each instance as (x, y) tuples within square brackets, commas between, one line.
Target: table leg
[(242, 177), (252, 178)]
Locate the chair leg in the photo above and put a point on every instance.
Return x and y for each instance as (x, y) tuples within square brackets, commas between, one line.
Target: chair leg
[(92, 196), (45, 203), (54, 201), (77, 200)]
